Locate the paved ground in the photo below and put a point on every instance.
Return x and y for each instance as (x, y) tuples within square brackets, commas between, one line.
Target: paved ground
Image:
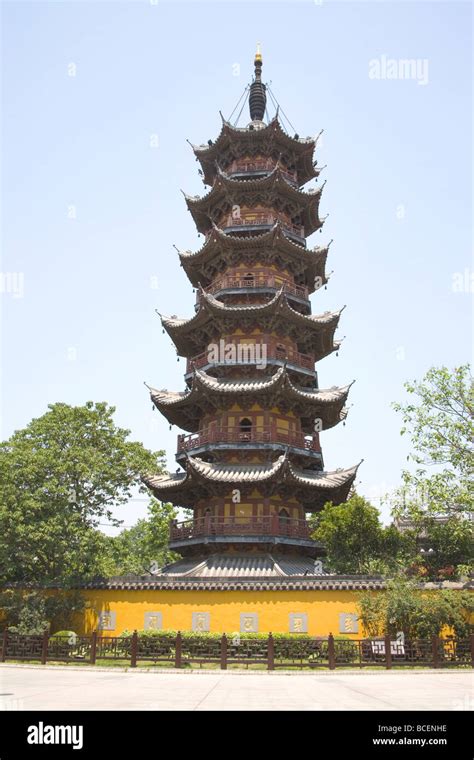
[(53, 688)]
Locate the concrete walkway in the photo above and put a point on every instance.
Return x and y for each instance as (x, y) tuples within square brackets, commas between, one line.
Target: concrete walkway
[(24, 687)]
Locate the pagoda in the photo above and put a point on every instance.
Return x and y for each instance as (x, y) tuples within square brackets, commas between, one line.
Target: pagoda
[(250, 462)]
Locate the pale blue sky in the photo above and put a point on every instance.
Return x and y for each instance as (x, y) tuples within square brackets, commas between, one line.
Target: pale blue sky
[(398, 194)]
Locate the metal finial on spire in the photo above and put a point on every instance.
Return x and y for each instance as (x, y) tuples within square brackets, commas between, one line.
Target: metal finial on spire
[(257, 96)]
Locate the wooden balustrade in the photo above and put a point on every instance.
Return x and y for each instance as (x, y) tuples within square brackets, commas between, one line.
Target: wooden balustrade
[(266, 525), (258, 281), (305, 361), (260, 220), (258, 165), (195, 649), (253, 435)]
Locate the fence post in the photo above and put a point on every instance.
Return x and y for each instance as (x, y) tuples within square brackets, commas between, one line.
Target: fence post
[(93, 647), (44, 647), (134, 650), (388, 652), (331, 652), (178, 650), (224, 652), (435, 650), (4, 645), (271, 653), (472, 649)]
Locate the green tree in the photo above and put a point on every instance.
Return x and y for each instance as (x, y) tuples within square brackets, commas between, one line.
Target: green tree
[(440, 421), (442, 548), (62, 475), (355, 539), (418, 612), (135, 549)]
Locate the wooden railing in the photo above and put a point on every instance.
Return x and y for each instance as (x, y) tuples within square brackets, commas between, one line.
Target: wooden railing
[(259, 281), (253, 435), (265, 525), (259, 220), (305, 361), (258, 165), (188, 649)]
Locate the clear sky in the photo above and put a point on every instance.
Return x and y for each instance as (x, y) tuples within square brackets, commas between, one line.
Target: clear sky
[(91, 209)]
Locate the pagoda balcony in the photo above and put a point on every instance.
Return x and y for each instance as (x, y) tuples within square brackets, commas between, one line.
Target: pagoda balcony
[(262, 282), (269, 525), (275, 352), (255, 436), (262, 223), (257, 167)]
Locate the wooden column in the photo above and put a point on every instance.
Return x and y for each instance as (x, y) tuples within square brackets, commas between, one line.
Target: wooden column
[(271, 653), (275, 524), (134, 650), (388, 653), (4, 645), (207, 524), (178, 650), (224, 652), (44, 647), (331, 652), (435, 651), (93, 647)]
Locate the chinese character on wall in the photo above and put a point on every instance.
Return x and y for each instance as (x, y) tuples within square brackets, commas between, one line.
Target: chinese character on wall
[(249, 622), (348, 623)]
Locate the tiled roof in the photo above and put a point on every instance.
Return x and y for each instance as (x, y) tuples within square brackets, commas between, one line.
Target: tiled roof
[(295, 583), (233, 566), (264, 583), (273, 126), (210, 308), (179, 407), (272, 245), (229, 473), (279, 299), (272, 133), (318, 485), (223, 185), (276, 233)]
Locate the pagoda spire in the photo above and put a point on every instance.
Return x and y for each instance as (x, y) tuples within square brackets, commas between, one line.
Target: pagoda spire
[(258, 96)]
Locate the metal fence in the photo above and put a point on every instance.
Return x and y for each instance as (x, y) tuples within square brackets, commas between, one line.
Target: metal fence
[(269, 652)]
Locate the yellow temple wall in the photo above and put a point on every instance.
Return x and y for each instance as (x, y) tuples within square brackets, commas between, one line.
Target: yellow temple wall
[(225, 607)]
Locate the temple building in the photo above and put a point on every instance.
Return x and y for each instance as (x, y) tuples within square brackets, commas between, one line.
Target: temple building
[(251, 458), (251, 466)]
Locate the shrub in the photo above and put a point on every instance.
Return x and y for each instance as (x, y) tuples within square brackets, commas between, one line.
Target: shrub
[(204, 635), (59, 634)]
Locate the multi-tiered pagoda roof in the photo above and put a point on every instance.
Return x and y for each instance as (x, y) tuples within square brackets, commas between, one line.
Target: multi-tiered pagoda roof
[(186, 408), (315, 332), (255, 141), (250, 459), (222, 250)]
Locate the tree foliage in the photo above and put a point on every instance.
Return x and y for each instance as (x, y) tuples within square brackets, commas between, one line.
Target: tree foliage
[(355, 539), (60, 477), (440, 421), (437, 497), (139, 548), (419, 613)]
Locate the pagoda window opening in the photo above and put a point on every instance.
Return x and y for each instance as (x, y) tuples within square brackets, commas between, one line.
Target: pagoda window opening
[(245, 426), (283, 518), (249, 279), (281, 351)]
